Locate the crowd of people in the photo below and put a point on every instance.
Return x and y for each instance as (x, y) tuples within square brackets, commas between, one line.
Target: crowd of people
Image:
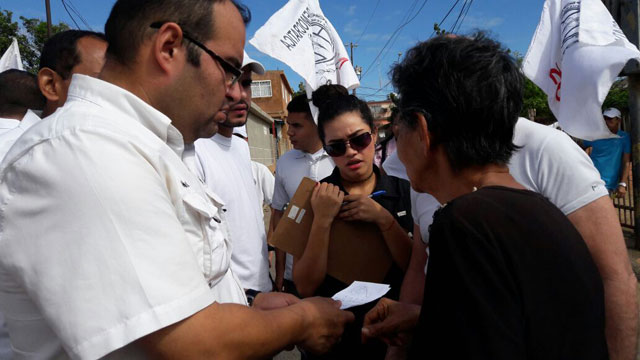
[(131, 214)]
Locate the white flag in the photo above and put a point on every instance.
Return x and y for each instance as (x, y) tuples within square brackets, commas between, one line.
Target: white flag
[(11, 58), (575, 55), (302, 37)]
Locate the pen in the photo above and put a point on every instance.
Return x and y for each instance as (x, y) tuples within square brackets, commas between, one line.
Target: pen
[(375, 194)]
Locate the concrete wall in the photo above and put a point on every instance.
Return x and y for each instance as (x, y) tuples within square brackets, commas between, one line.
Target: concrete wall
[(261, 142)]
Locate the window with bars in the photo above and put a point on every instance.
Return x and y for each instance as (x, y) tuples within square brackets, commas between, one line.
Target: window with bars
[(261, 88)]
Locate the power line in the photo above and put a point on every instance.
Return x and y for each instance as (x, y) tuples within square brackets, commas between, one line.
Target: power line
[(75, 10), (392, 35), (446, 16), (465, 14), (368, 22), (67, 10), (453, 28)]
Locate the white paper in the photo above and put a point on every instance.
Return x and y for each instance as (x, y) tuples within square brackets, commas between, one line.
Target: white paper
[(293, 212), (360, 292)]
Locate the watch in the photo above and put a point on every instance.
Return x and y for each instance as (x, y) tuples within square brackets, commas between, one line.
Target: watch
[(251, 295), (623, 184)]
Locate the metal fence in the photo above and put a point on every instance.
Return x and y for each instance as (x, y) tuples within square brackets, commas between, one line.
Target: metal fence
[(625, 206)]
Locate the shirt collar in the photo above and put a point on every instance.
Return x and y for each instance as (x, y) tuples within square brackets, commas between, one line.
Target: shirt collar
[(116, 99), (383, 182), (29, 119), (222, 140)]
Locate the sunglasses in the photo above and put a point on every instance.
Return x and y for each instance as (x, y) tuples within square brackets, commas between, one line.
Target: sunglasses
[(357, 143), (232, 73)]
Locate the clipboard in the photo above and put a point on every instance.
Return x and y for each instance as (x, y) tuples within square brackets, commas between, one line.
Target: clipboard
[(357, 250)]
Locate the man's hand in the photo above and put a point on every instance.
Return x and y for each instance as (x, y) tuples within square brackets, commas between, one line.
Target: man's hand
[(325, 323), (621, 191), (390, 321), (274, 300), (363, 208)]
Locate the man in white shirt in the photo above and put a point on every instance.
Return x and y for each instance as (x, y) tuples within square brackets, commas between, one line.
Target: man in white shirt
[(19, 95), (224, 164), (109, 244), (64, 54), (307, 159), (551, 164)]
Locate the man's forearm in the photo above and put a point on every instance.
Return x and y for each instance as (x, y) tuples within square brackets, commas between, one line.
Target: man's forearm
[(413, 284), (599, 226)]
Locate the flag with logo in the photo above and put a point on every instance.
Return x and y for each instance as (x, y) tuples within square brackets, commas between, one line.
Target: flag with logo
[(302, 37), (575, 55), (11, 58)]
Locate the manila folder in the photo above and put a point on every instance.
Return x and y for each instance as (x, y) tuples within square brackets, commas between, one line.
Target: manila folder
[(357, 250)]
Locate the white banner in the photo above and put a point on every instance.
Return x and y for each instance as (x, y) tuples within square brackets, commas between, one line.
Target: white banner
[(301, 36), (575, 55), (11, 58)]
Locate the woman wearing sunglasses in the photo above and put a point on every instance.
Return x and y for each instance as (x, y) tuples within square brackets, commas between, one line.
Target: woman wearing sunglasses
[(345, 126)]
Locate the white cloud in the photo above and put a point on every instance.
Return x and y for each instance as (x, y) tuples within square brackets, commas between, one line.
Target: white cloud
[(352, 10), (481, 22), (352, 28)]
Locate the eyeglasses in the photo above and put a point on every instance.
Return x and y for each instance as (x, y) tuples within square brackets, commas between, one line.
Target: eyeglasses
[(232, 73), (357, 143)]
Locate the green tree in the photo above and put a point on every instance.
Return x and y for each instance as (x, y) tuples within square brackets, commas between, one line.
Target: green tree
[(618, 96), (301, 89), (31, 37)]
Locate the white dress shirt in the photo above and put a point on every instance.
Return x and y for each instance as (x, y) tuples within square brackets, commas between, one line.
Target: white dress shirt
[(9, 137), (224, 164), (105, 235), (8, 124), (291, 168)]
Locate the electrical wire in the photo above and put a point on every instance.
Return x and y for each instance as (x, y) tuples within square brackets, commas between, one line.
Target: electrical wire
[(465, 14), (446, 16), (71, 16), (392, 36), (75, 11), (368, 22), (453, 28)]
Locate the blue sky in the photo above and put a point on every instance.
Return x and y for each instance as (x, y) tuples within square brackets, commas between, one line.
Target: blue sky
[(510, 21)]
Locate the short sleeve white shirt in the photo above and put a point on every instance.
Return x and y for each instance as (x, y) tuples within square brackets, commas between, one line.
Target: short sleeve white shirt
[(548, 163), (291, 168), (264, 181), (105, 235), (225, 167), (9, 137), (8, 124)]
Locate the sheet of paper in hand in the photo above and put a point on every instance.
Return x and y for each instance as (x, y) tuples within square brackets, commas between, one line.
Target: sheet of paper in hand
[(357, 250), (360, 293)]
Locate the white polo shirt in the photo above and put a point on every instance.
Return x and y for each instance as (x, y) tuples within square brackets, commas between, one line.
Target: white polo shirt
[(9, 137), (224, 164), (291, 168), (105, 235), (548, 162), (264, 180)]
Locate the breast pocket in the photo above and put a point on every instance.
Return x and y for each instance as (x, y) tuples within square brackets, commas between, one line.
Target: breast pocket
[(206, 235)]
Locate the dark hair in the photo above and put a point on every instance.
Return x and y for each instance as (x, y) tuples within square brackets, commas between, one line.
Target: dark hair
[(299, 104), (333, 101), (60, 52), (19, 92), (471, 88), (129, 21)]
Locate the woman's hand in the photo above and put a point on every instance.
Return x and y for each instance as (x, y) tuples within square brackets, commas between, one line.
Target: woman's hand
[(391, 321), (364, 208), (326, 201)]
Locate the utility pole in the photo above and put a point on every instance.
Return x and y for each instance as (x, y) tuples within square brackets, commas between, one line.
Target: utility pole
[(625, 12), (352, 45), (48, 6)]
